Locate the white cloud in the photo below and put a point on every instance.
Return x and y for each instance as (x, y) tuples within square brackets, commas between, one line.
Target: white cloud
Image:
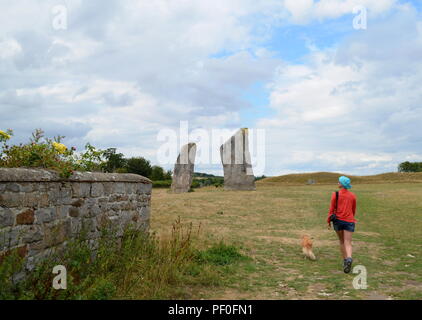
[(304, 11), (299, 9), (123, 70), (356, 107), (9, 48)]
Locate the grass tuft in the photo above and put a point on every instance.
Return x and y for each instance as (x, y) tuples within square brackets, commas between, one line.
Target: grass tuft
[(220, 255)]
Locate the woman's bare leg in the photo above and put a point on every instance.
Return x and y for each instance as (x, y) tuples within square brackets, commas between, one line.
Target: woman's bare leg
[(340, 235), (347, 238)]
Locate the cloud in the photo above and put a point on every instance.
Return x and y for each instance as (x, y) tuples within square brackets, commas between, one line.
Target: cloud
[(306, 11), (122, 71), (361, 97)]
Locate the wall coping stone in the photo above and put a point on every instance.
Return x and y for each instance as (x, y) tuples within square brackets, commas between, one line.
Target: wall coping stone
[(43, 175)]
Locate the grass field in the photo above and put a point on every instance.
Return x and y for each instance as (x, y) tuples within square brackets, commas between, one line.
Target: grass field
[(267, 225)]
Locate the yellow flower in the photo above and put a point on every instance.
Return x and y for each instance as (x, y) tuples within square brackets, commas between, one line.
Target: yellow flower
[(4, 135), (60, 148)]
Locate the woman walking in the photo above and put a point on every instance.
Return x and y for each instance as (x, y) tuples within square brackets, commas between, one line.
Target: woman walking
[(342, 215)]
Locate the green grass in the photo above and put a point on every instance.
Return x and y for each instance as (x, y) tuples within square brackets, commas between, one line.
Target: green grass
[(220, 254), (267, 225), (141, 266)]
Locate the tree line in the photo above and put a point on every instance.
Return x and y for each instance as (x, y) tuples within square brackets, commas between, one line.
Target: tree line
[(116, 162), (410, 167)]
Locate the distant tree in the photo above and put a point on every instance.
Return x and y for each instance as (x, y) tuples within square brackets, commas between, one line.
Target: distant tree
[(113, 161), (205, 175), (139, 165), (168, 175), (157, 173), (260, 178), (410, 167)]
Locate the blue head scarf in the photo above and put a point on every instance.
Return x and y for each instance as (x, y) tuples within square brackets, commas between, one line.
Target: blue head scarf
[(345, 182)]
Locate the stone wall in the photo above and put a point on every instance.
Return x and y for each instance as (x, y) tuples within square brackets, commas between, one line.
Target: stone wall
[(39, 211)]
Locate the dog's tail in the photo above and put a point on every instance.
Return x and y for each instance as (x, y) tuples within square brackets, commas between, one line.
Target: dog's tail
[(308, 253)]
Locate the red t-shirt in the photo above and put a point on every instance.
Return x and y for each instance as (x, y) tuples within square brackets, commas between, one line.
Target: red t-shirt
[(346, 206)]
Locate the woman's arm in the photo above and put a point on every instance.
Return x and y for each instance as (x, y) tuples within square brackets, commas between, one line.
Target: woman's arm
[(332, 206)]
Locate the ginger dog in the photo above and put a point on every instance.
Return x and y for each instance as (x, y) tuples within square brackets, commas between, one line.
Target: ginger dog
[(307, 247)]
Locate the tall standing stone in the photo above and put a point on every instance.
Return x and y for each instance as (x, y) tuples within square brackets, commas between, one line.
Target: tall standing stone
[(184, 169), (237, 165)]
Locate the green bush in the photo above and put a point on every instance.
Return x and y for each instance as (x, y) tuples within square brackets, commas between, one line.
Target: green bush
[(220, 254), (42, 152), (161, 184), (207, 181), (195, 184), (9, 265), (139, 165)]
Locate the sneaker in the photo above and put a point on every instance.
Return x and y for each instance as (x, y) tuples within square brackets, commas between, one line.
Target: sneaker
[(347, 265)]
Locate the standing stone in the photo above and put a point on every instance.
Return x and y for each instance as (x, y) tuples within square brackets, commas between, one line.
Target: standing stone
[(184, 169), (237, 165)]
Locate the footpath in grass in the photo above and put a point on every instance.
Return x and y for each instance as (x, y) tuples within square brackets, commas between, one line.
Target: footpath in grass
[(267, 226)]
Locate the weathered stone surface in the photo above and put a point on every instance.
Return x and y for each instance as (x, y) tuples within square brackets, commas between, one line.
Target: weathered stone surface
[(97, 189), (11, 237), (81, 190), (236, 160), (143, 188), (74, 212), (78, 203), (130, 188), (26, 217), (102, 221), (45, 215), (10, 199), (109, 187), (33, 234), (65, 194), (43, 200), (20, 187), (13, 187), (30, 200), (56, 233), (145, 213), (62, 212), (119, 188), (75, 226), (7, 217), (184, 169)]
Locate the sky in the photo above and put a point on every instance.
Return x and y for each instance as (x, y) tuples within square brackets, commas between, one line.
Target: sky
[(330, 96)]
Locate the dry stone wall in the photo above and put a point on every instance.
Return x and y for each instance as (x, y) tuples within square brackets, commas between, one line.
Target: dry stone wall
[(39, 211)]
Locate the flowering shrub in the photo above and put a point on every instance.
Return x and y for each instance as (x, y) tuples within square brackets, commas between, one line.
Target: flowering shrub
[(91, 160), (4, 136), (42, 152), (60, 148)]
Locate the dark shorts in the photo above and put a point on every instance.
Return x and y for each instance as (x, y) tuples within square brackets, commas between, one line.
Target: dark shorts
[(343, 225)]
